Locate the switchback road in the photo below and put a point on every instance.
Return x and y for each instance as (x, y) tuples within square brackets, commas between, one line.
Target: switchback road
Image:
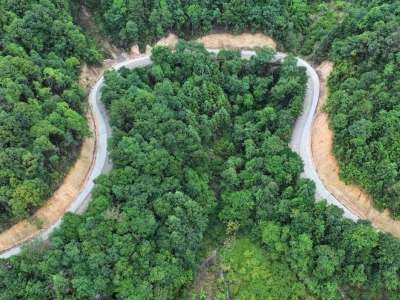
[(300, 141)]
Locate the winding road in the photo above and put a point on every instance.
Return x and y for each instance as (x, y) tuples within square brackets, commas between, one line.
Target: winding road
[(300, 141)]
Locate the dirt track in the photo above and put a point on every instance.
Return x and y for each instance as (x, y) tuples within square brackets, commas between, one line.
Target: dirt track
[(327, 168)]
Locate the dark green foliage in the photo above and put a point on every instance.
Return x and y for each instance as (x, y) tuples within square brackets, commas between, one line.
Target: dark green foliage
[(42, 119)]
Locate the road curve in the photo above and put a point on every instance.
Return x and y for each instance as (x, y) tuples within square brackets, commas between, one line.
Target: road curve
[(300, 141)]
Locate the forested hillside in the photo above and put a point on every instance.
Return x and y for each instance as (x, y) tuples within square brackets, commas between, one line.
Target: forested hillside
[(200, 152), (42, 118), (364, 106), (293, 24)]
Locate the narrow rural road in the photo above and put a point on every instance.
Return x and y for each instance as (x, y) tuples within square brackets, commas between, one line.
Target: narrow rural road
[(300, 142), (301, 139)]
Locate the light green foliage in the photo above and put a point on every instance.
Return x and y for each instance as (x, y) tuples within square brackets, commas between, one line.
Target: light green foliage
[(252, 275)]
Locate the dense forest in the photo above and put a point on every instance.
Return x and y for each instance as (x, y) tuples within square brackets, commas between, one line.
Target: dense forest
[(190, 134), (362, 39), (42, 118), (294, 24), (200, 151)]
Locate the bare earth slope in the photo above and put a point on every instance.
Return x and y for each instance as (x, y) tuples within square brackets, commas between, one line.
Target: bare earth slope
[(245, 41)]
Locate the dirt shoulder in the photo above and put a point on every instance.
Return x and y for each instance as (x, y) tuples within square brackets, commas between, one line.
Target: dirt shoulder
[(327, 167), (245, 41)]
